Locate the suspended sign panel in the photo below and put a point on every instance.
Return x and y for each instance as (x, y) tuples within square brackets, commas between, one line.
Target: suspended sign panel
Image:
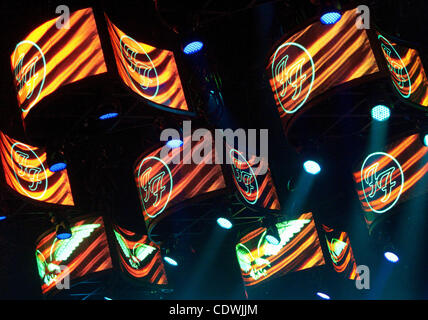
[(298, 249), (27, 172), (253, 180), (386, 178), (140, 258), (51, 57), (316, 59), (148, 71), (407, 72), (165, 179), (342, 257), (86, 252)]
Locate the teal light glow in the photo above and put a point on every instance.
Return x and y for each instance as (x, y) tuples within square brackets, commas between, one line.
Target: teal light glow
[(323, 296), (391, 257), (170, 261), (272, 240), (224, 223), (311, 167), (426, 140), (380, 113)]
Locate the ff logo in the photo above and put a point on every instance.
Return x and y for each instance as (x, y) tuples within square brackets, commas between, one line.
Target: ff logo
[(244, 177), (288, 75), (400, 76), (384, 179), (29, 176), (144, 72), (153, 179), (26, 71)]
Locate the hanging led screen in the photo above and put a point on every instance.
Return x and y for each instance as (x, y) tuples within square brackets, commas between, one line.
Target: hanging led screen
[(391, 176), (49, 58), (298, 249), (256, 189), (84, 253), (316, 59), (164, 182), (406, 69), (139, 257), (340, 250), (148, 71), (27, 173)]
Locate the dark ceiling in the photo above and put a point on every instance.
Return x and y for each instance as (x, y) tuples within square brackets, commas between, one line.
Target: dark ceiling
[(238, 36)]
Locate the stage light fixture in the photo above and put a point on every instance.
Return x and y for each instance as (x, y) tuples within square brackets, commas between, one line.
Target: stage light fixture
[(312, 167), (272, 235), (330, 17), (323, 295), (109, 115), (56, 160), (380, 113), (2, 217), (107, 298), (391, 256), (193, 47), (171, 261), (224, 223), (63, 231), (169, 253), (174, 143)]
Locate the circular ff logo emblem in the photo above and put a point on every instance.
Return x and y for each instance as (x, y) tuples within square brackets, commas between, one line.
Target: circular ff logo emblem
[(26, 61), (382, 181), (155, 185), (293, 74), (29, 171), (397, 68), (145, 72), (244, 177)]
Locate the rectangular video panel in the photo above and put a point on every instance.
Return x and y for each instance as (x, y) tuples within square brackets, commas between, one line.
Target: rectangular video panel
[(86, 252), (407, 71), (391, 176), (51, 57), (316, 59), (148, 71), (298, 249), (140, 258), (26, 171)]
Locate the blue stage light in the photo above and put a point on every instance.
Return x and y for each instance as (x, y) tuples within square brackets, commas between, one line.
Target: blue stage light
[(174, 143), (381, 113), (193, 47), (224, 223), (2, 218), (330, 17), (63, 235), (58, 167), (312, 167), (426, 140), (323, 296), (391, 257), (109, 115)]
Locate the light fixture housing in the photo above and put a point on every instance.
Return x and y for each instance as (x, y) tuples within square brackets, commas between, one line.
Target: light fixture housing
[(55, 159), (63, 231)]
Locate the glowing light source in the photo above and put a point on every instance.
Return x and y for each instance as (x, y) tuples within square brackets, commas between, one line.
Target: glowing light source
[(330, 17), (174, 143), (2, 218), (63, 235), (58, 167), (426, 140), (109, 115), (193, 47), (170, 261), (380, 113), (224, 223), (323, 296), (63, 231), (107, 298), (391, 257), (311, 167)]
